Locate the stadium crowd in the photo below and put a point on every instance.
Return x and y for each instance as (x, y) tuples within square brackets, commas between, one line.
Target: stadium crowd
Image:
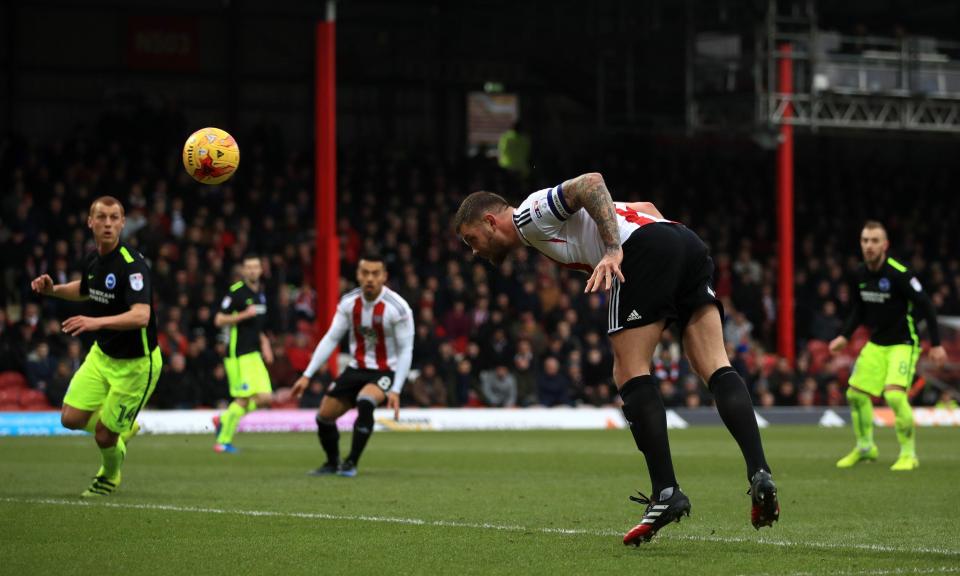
[(519, 334)]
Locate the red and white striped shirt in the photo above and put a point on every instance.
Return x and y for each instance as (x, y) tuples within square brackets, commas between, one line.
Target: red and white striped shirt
[(381, 334)]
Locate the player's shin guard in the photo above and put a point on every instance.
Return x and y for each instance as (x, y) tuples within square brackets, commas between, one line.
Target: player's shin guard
[(903, 421), (861, 413), (111, 460), (644, 410), (362, 428), (736, 411), (329, 439), (91, 426), (229, 420)]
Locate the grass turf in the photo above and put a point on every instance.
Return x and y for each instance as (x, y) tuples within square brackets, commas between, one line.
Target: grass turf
[(473, 503)]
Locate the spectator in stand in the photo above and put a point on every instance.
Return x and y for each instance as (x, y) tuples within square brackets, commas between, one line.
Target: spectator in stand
[(553, 386), (524, 372), (172, 340), (467, 383), (428, 389), (57, 388), (40, 366), (499, 387), (597, 368)]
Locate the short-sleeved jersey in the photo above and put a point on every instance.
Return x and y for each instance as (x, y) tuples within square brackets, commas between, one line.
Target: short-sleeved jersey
[(374, 327), (545, 222), (244, 337), (884, 301), (113, 283)]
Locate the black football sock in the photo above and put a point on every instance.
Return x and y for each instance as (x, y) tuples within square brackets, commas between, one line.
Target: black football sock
[(736, 411), (362, 428), (329, 439), (643, 409)]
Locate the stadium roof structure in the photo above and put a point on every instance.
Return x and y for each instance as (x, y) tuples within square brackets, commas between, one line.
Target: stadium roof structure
[(842, 79)]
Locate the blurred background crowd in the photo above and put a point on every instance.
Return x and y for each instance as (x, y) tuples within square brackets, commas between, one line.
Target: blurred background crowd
[(519, 334)]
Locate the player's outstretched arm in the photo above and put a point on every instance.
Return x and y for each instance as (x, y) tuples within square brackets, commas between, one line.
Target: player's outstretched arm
[(326, 346), (137, 317), (404, 337), (44, 286), (928, 311), (589, 191)]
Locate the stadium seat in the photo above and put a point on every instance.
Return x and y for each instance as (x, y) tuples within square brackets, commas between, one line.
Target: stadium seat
[(33, 398), (10, 398), (12, 379), (38, 407)]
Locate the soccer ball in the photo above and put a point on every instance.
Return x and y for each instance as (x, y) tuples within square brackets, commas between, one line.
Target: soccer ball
[(211, 156)]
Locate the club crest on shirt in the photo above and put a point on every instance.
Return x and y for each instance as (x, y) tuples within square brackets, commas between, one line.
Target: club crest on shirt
[(884, 285), (536, 208), (110, 281), (136, 281)]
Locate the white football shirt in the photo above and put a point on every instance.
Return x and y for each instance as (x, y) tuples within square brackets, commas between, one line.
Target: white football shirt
[(545, 222)]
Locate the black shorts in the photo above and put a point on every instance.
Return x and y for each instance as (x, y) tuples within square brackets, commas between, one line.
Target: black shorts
[(349, 384), (668, 273)]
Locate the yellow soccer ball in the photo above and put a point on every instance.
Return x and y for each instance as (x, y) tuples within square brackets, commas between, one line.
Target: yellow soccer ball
[(211, 156)]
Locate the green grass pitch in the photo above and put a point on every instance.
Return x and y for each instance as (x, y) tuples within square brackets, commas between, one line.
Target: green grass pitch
[(539, 502)]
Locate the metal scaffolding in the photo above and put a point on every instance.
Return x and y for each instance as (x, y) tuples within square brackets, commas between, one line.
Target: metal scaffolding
[(909, 84), (905, 84)]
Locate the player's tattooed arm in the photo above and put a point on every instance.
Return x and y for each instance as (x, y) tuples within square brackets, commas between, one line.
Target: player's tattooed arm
[(588, 191)]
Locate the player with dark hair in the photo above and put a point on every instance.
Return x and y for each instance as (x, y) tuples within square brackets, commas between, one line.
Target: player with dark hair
[(243, 313), (656, 272), (122, 367), (380, 324), (885, 297)]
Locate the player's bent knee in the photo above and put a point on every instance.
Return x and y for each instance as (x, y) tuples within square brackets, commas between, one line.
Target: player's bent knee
[(325, 425), (631, 400), (73, 419), (105, 437)]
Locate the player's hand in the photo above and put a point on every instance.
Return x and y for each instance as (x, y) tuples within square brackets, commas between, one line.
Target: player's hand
[(267, 354), (393, 401), (938, 355), (299, 386), (77, 325), (250, 312), (607, 269), (42, 285), (837, 344)]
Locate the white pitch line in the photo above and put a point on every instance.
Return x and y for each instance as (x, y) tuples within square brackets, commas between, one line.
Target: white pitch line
[(481, 526), (876, 572)]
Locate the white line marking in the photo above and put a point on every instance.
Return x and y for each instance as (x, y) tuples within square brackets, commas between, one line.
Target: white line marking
[(490, 526), (877, 572)]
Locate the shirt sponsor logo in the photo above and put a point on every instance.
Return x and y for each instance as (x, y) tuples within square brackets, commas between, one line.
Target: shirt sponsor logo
[(101, 297), (874, 297), (884, 285), (136, 281), (110, 282)]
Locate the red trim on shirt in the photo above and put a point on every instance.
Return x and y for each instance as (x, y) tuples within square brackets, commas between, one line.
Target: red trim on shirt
[(381, 340), (361, 351)]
